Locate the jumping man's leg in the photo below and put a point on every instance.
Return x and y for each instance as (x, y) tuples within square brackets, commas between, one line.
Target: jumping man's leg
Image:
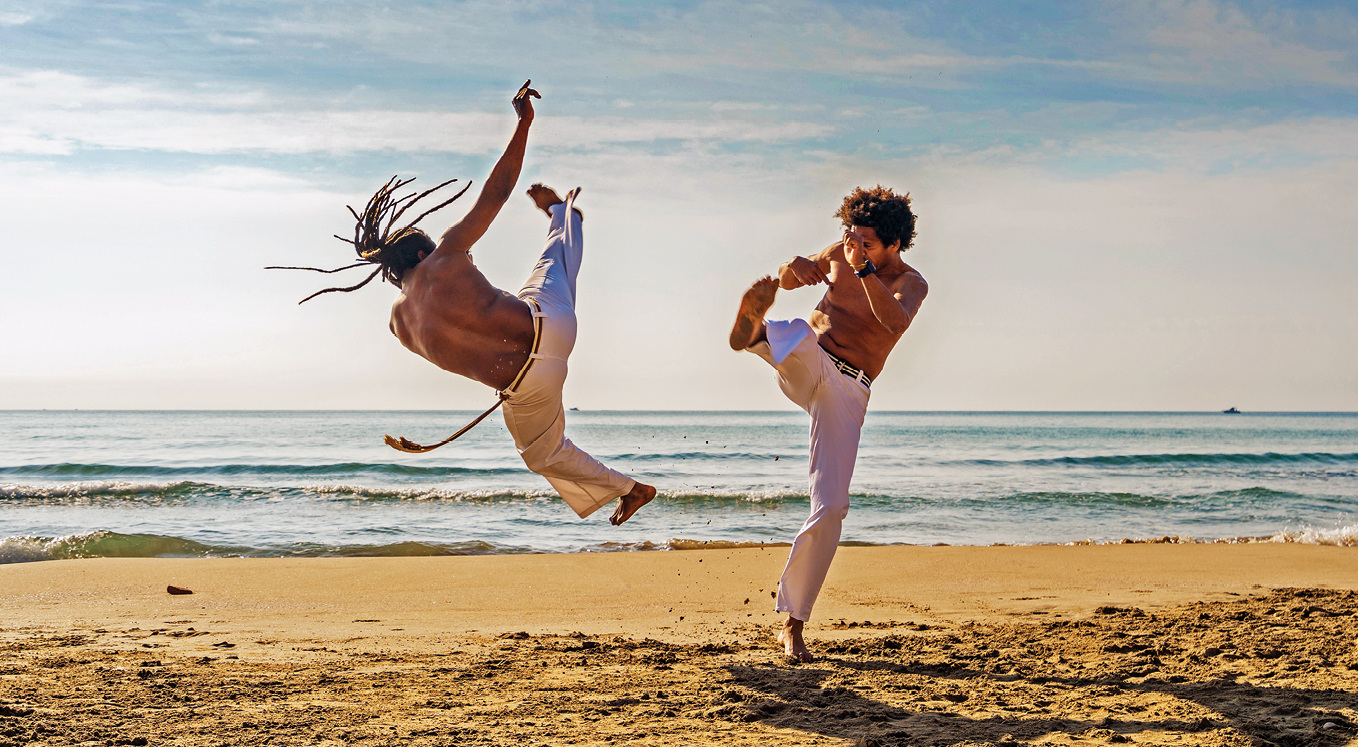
[(576, 475), (545, 197), (628, 504)]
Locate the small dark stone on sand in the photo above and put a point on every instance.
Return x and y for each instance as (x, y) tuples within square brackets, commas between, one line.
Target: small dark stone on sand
[(178, 590)]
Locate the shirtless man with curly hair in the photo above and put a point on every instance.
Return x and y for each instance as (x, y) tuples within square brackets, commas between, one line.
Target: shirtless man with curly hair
[(827, 367)]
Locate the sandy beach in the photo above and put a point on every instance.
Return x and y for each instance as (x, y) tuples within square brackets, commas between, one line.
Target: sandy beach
[(1216, 644)]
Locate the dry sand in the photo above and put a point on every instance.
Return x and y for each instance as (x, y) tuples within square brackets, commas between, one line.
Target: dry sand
[(1151, 644)]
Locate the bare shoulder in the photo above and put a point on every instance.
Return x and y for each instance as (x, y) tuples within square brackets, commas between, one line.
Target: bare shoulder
[(910, 288), (458, 238), (911, 282), (435, 272)]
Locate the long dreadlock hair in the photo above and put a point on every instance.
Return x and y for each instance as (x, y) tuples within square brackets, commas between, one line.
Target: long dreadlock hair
[(393, 252)]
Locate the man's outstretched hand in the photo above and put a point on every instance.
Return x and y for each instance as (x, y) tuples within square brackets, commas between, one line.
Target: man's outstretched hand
[(523, 101)]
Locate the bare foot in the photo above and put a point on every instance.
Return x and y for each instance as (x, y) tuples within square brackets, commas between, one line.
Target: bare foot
[(628, 504), (545, 197), (794, 647), (753, 305)]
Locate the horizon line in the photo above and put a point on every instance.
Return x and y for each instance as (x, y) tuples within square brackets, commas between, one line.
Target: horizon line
[(790, 410)]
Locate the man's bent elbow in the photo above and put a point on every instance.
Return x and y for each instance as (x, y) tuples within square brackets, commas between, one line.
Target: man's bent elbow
[(898, 326)]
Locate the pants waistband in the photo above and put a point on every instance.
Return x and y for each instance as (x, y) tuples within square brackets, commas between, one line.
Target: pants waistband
[(532, 354), (850, 370)]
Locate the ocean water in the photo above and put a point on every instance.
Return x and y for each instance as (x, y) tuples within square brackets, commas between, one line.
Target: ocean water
[(192, 484)]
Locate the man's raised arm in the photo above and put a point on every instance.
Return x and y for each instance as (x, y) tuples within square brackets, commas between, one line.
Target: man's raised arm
[(499, 185)]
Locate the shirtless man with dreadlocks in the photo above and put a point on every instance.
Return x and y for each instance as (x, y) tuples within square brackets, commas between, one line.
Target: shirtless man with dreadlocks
[(516, 343)]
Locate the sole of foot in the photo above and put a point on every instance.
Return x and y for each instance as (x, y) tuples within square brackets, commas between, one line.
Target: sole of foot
[(756, 302), (544, 197)]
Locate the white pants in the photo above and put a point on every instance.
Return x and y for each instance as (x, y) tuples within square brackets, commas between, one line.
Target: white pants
[(533, 413), (836, 404)]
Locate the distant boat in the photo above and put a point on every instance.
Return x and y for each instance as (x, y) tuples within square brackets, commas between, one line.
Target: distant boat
[(1231, 411), (576, 409)]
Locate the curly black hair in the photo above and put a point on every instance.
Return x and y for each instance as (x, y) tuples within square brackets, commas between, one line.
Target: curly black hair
[(393, 251), (883, 211)]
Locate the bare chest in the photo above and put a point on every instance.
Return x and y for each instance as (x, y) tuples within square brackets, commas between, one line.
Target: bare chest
[(846, 303), (846, 325)]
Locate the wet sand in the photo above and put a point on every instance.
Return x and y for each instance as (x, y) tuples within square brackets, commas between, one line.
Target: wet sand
[(1152, 644)]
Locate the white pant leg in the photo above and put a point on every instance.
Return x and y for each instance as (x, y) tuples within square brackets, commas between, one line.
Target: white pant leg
[(536, 419), (837, 405), (534, 413), (554, 275)]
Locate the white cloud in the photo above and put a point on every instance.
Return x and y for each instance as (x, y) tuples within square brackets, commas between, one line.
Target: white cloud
[(14, 19), (231, 40), (55, 90), (1205, 147), (1206, 144), (837, 61), (1217, 43), (1140, 290), (742, 106), (57, 113), (1200, 42)]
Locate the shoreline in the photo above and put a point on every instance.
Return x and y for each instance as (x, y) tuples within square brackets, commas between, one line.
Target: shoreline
[(107, 544), (1212, 644)]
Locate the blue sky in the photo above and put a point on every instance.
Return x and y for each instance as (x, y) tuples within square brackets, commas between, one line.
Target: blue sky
[(1124, 205)]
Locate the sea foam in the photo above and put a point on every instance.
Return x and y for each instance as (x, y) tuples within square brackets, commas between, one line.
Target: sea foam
[(1346, 536)]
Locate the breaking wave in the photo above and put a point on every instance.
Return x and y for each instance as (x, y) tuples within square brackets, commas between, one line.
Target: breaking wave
[(106, 544), (1135, 460)]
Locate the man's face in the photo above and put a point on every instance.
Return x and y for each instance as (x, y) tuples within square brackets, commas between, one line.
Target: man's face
[(872, 244)]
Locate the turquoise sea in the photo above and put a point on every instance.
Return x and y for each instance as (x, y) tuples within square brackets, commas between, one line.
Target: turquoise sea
[(191, 484)]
